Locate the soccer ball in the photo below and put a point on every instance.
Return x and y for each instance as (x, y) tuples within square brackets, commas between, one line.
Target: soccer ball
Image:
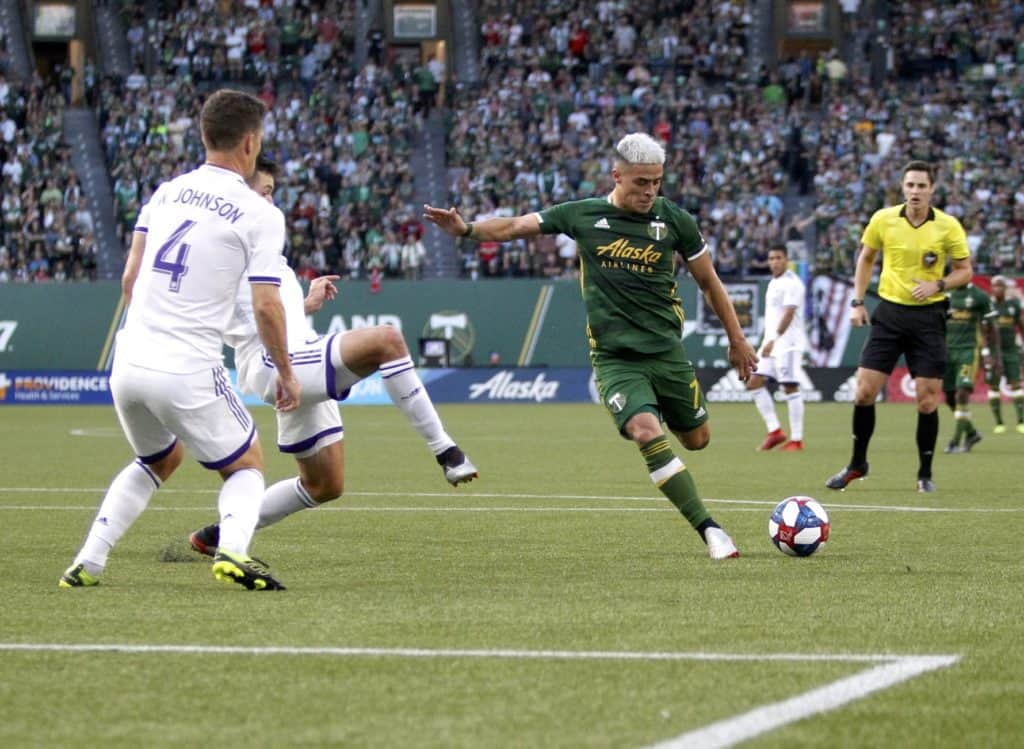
[(798, 526)]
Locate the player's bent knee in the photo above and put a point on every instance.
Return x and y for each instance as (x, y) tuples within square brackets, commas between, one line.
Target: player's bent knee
[(325, 489), (392, 342)]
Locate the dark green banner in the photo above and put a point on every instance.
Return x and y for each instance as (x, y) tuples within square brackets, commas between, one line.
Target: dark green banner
[(524, 322)]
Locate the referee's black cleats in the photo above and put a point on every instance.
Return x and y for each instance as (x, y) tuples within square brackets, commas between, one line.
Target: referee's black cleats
[(925, 486), (845, 476)]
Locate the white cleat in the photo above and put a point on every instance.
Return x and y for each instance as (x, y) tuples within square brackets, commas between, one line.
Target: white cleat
[(720, 546), (457, 467)]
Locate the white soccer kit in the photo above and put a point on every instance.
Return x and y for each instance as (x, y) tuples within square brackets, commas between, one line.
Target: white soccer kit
[(316, 423), (785, 364), (206, 232)]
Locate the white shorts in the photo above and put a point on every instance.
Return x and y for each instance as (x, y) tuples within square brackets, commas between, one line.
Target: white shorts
[(785, 367), (201, 409), (316, 423)]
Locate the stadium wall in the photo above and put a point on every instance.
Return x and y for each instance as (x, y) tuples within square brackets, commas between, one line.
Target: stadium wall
[(527, 323)]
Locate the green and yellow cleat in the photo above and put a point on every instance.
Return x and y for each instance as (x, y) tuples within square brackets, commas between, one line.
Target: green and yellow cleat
[(1000, 429), (1020, 428), (246, 571), (75, 576)]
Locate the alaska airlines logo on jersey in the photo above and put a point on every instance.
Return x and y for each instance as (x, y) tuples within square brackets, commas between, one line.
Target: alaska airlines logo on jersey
[(602, 223), (657, 230), (621, 249), (209, 201)]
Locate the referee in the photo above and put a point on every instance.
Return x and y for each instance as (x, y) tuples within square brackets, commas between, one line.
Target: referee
[(916, 240)]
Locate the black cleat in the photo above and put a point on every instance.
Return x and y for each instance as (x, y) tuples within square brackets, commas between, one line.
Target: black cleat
[(205, 540), (953, 447), (845, 476), (247, 571), (971, 441), (925, 486)]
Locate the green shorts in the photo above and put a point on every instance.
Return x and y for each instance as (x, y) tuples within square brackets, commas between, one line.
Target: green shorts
[(664, 384), (961, 369), (1011, 371)]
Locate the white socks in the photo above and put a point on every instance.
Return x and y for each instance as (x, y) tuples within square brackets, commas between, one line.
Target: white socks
[(408, 393), (239, 506), (283, 499), (795, 404), (766, 407), (126, 498)]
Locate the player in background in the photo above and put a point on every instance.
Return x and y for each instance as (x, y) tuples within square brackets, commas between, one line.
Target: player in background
[(915, 241), (327, 367), (203, 233), (1009, 322), (782, 352), (968, 319), (627, 243)]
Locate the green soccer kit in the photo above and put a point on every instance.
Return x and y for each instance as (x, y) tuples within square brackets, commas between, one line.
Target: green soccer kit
[(1007, 316), (634, 315), (968, 307)]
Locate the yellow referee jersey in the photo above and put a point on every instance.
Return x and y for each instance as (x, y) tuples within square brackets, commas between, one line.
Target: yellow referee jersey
[(911, 255)]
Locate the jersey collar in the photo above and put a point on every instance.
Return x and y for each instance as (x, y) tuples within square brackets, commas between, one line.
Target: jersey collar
[(223, 171), (929, 217)]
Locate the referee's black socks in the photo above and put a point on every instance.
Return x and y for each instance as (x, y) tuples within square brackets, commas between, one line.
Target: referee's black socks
[(927, 434), (863, 428)]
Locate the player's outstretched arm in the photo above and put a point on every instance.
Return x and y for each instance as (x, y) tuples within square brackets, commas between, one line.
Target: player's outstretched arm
[(488, 230)]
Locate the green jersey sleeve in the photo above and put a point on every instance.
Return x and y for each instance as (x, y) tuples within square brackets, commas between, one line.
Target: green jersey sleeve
[(558, 219), (690, 242)]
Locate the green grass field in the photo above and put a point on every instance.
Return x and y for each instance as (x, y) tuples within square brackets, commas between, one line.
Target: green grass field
[(556, 602)]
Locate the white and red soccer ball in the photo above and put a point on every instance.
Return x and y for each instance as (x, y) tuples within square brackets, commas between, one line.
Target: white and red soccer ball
[(799, 526)]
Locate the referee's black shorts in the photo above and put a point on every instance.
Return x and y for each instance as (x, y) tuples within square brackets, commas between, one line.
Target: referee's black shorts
[(916, 331)]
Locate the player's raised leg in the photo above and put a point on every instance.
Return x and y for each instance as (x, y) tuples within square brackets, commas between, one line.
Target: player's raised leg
[(366, 350)]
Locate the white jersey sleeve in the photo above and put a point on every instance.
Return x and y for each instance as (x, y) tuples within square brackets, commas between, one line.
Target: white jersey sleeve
[(206, 231), (785, 292)]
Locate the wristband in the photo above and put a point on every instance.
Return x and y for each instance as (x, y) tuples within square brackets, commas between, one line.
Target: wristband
[(469, 230)]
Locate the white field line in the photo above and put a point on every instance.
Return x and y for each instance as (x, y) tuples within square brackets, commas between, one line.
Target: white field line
[(734, 503), (577, 655), (889, 671), (739, 728)]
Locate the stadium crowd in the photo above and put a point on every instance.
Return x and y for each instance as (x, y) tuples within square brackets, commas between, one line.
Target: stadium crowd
[(558, 83), (46, 229)]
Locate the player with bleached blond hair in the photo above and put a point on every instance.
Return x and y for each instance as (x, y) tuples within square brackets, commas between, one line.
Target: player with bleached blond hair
[(628, 241)]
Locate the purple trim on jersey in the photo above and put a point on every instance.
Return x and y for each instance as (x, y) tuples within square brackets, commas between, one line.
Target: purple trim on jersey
[(275, 280), (299, 447), (216, 464), (151, 459), (142, 229), (222, 386)]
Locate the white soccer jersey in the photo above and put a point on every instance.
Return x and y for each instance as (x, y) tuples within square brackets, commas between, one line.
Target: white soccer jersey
[(206, 232), (242, 334), (785, 291)]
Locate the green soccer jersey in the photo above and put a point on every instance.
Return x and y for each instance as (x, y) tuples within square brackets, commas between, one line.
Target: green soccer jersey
[(1007, 315), (968, 306), (627, 270)]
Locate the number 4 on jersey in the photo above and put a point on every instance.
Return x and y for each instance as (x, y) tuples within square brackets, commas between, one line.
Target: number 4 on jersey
[(178, 250)]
